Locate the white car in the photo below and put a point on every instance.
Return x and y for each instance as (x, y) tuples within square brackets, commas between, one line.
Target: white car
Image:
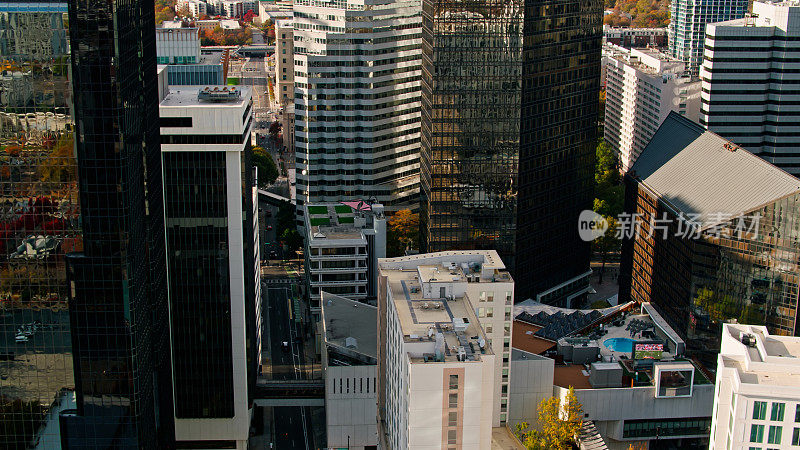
[(21, 338)]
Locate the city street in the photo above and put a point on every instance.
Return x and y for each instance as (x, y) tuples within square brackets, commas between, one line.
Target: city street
[(285, 359)]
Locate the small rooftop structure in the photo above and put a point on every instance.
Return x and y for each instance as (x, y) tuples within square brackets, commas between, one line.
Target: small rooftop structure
[(219, 94), (759, 357), (211, 96)]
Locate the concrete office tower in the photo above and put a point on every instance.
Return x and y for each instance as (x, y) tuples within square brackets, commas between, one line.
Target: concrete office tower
[(757, 404), (284, 63), (687, 27), (444, 352), (40, 221), (357, 100), (509, 128), (118, 303), (642, 87), (212, 260), (750, 80), (710, 236), (349, 362), (343, 244)]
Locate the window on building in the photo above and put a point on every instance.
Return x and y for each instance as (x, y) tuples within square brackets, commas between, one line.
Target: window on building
[(759, 410), (481, 312), (453, 403), (453, 381), (508, 297), (452, 419), (777, 412), (756, 433), (797, 413), (489, 312), (451, 436), (796, 437), (482, 297), (774, 434), (488, 329)]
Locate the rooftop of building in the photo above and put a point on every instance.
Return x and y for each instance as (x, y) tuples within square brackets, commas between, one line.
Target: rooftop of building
[(630, 338), (166, 31), (446, 329), (468, 266), (344, 220), (648, 60), (350, 325), (697, 172), (207, 96), (760, 357)]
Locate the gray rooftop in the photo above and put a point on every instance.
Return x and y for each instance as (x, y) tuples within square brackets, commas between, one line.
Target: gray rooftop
[(699, 172), (350, 325)]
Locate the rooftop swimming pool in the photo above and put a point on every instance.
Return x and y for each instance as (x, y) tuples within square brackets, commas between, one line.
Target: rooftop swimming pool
[(624, 345)]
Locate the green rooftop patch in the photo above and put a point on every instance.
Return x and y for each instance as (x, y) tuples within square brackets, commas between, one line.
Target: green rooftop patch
[(318, 210), (343, 209), (346, 219), (317, 221)]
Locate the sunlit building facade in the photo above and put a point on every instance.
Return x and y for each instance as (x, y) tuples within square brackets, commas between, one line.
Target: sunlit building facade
[(508, 133), (39, 218), (715, 237)]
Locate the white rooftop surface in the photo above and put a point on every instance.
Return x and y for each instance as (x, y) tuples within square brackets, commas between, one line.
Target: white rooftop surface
[(773, 361), (691, 169), (182, 96), (344, 319), (422, 318), (451, 264)]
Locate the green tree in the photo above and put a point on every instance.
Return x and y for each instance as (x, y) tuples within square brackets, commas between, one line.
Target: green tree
[(558, 424), (609, 192), (402, 233), (267, 170), (292, 239), (609, 242)]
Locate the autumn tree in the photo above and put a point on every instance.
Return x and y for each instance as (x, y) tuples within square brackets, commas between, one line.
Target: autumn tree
[(275, 131), (402, 233), (558, 424)]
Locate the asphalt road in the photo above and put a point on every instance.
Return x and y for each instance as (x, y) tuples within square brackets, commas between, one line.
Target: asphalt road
[(292, 425)]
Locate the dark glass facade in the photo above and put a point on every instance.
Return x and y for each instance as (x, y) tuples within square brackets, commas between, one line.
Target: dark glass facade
[(560, 88), (118, 294), (39, 219), (195, 197), (698, 284), (508, 134), (471, 102)]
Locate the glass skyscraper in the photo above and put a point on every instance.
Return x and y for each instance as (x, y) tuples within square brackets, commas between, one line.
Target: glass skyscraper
[(687, 27), (39, 219), (509, 122), (119, 316)]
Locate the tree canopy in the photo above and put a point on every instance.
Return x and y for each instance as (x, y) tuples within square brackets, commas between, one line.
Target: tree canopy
[(402, 232), (637, 13), (558, 424), (267, 170)]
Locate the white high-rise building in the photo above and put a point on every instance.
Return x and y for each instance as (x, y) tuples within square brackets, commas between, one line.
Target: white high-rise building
[(757, 403), (642, 87), (687, 26), (357, 76), (193, 8), (444, 349), (750, 82), (211, 225)]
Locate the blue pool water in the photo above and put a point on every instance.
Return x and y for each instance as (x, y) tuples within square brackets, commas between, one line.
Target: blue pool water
[(619, 344)]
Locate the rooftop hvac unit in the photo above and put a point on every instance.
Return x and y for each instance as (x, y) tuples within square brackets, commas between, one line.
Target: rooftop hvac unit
[(462, 353)]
